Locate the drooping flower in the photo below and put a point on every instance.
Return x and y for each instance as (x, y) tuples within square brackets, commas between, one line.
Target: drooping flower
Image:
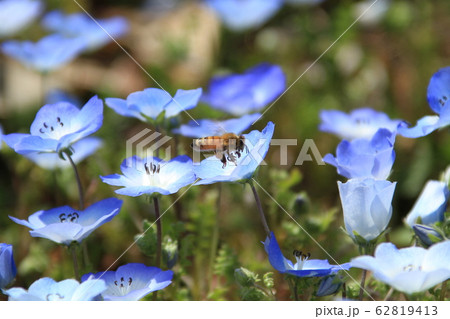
[(96, 33), (80, 150), (65, 225), (151, 102), (57, 126), (132, 282), (202, 128), (427, 235), (365, 158), (48, 54), (360, 123), (329, 285), (152, 175), (239, 94), (366, 204), (7, 266), (17, 14), (47, 289), (438, 96), (211, 170), (240, 15), (410, 270), (304, 267), (431, 204)]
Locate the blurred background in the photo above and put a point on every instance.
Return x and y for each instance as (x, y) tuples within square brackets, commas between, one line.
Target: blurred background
[(384, 61)]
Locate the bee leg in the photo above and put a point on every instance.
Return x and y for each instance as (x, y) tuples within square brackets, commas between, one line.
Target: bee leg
[(232, 158), (224, 161), (238, 154)]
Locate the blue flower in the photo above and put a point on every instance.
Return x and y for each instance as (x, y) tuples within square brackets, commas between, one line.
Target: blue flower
[(329, 285), (47, 289), (57, 126), (151, 102), (78, 25), (65, 225), (81, 150), (244, 14), (132, 282), (239, 94), (410, 270), (202, 128), (152, 175), (304, 267), (17, 14), (431, 204), (1, 137), (438, 95), (7, 266), (366, 204), (48, 54), (360, 123), (365, 158), (211, 170), (427, 235)]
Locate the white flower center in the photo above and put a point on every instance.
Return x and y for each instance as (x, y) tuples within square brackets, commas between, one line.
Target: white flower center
[(54, 128), (151, 177), (301, 259), (122, 287)]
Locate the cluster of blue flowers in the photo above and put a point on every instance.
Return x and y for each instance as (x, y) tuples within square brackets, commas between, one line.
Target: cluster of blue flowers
[(60, 136), (366, 156)]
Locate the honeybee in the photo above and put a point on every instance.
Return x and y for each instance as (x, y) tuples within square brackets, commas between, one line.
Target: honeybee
[(224, 146)]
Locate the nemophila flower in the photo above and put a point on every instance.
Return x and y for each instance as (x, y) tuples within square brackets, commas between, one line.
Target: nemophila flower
[(132, 282), (431, 204), (48, 54), (1, 137), (365, 158), (304, 267), (47, 289), (211, 170), (438, 96), (329, 285), (244, 14), (65, 225), (151, 102), (80, 150), (366, 204), (250, 91), (410, 270), (7, 266), (96, 33), (17, 14), (57, 126), (360, 123), (202, 128), (427, 235), (152, 175)]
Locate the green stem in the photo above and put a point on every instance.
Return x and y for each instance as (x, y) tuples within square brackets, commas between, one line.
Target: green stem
[(363, 282), (75, 261), (443, 291), (77, 176), (260, 209), (158, 232), (215, 237)]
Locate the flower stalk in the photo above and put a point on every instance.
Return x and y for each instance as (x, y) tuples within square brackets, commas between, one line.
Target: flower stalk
[(260, 210), (77, 176)]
